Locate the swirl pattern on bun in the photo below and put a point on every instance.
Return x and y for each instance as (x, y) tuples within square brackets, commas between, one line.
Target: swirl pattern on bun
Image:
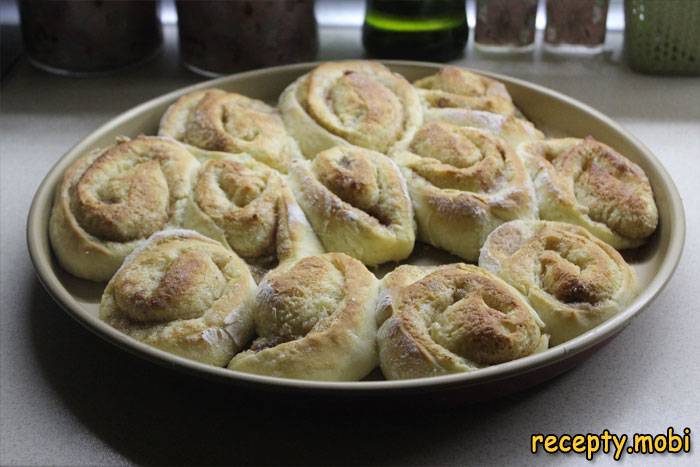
[(216, 120), (289, 206), (248, 206), (452, 319), (511, 129), (111, 200), (455, 88), (587, 183), (185, 294), (314, 320), (464, 182), (574, 280), (358, 203), (358, 103)]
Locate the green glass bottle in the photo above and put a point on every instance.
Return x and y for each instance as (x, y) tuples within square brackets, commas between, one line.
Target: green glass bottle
[(434, 30)]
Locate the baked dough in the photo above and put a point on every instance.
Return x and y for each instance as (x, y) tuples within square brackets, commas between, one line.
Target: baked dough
[(464, 182), (355, 102), (357, 202), (352, 153), (249, 206), (456, 88), (183, 293), (315, 320), (574, 280), (585, 182), (111, 200), (452, 319), (513, 130), (216, 120)]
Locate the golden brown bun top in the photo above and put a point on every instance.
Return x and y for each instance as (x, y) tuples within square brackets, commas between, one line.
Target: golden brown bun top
[(454, 87), (467, 311), (293, 304), (176, 275), (253, 210), (127, 192), (563, 260), (612, 189), (309, 297), (216, 120), (241, 195), (358, 177), (465, 159), (360, 101)]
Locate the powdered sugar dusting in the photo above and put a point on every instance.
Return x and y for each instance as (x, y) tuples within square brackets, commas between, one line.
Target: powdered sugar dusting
[(384, 305), (214, 336), (265, 292), (158, 236), (489, 121), (402, 179), (350, 215), (495, 246), (238, 325), (296, 216)]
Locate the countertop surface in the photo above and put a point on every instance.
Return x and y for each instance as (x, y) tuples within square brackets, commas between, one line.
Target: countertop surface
[(68, 398)]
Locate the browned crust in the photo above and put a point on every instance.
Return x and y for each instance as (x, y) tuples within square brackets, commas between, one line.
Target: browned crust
[(91, 233), (360, 103), (453, 87), (574, 280), (464, 182), (183, 293), (340, 345), (357, 202), (585, 182), (453, 318), (216, 120)]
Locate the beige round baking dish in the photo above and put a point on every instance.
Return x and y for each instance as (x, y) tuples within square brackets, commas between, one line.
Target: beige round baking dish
[(551, 111)]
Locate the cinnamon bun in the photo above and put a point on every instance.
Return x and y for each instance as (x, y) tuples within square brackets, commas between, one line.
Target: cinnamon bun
[(456, 88), (587, 183), (574, 280), (315, 320), (464, 182), (359, 103), (111, 200), (452, 319), (183, 293), (249, 206), (357, 202), (216, 120)]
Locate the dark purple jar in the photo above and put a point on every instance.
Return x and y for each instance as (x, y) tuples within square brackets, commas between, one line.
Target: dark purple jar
[(505, 25), (220, 37), (89, 37), (576, 24)]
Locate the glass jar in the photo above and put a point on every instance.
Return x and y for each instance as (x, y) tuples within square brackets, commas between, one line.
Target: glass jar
[(576, 25), (433, 30), (663, 37), (89, 37), (220, 37), (505, 25)]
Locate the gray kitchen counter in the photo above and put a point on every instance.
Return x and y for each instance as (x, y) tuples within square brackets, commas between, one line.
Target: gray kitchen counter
[(68, 398)]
